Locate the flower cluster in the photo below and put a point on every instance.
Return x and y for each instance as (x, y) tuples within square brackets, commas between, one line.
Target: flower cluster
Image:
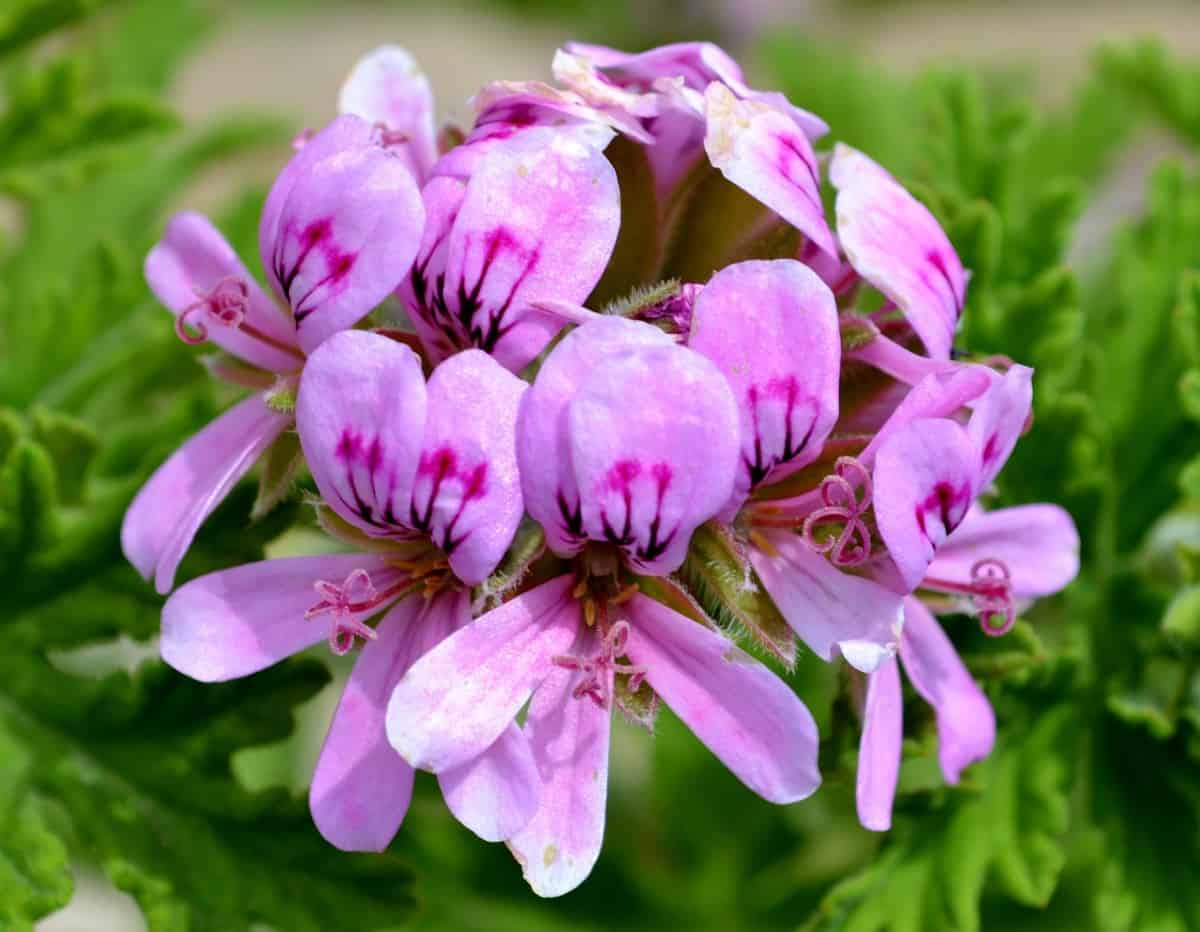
[(611, 319)]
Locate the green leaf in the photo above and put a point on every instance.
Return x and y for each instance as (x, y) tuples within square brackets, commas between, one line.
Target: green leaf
[(35, 876), (1009, 830), (23, 21)]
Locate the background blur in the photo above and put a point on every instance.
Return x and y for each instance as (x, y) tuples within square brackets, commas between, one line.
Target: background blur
[(1059, 151)]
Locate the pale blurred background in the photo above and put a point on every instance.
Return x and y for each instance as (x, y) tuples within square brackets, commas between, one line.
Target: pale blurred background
[(289, 58)]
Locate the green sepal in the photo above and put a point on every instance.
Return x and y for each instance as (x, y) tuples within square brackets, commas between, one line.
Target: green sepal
[(529, 543), (282, 397), (639, 708), (718, 574), (279, 467)]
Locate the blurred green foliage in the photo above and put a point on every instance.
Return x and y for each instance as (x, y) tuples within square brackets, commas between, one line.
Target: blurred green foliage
[(1087, 816)]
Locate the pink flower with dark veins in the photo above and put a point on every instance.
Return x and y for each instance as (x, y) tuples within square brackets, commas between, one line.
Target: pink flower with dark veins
[(339, 229), (626, 442), (525, 209), (422, 480)]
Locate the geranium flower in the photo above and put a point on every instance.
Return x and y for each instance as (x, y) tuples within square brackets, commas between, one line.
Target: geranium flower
[(626, 442), (339, 229), (992, 559), (424, 482)]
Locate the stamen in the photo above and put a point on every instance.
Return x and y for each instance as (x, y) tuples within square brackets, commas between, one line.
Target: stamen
[(990, 591), (226, 305), (356, 595), (598, 670), (843, 505)]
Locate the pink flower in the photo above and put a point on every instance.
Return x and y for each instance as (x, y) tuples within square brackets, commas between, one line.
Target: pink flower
[(524, 210), (339, 229), (1014, 553), (627, 442), (424, 480)]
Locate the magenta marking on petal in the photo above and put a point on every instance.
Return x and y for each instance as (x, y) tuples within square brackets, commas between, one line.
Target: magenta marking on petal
[(441, 466), (316, 237), (938, 262), (787, 390), (948, 504), (788, 155), (845, 505)]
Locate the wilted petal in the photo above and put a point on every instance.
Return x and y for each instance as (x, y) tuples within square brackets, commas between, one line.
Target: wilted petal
[(925, 480), (190, 261), (772, 329), (461, 696), (569, 737), (496, 794), (346, 231), (1038, 544), (467, 492), (538, 222), (361, 413), (698, 64), (879, 747), (895, 243), (165, 515), (543, 441), (833, 612), (965, 722), (388, 88), (742, 712), (239, 621), (763, 152), (654, 444), (998, 419)]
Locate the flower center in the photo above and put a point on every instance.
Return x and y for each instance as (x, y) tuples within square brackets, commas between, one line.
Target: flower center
[(849, 544), (225, 305), (350, 602), (598, 671), (990, 591)]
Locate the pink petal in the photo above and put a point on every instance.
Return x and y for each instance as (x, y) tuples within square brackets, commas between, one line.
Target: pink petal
[(361, 413), (937, 395), (833, 612), (388, 88), (461, 696), (998, 419), (538, 222), (1037, 543), (879, 747), (698, 64), (569, 736), (742, 712), (762, 151), (168, 511), (347, 230), (467, 493), (496, 794), (239, 621), (361, 788), (772, 329), (189, 261), (925, 480), (654, 444), (543, 441), (965, 722), (895, 243)]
